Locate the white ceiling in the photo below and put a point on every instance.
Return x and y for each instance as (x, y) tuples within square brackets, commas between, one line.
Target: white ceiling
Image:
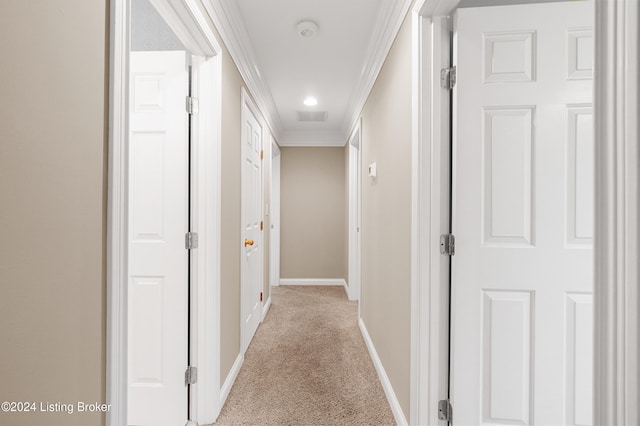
[(338, 66)]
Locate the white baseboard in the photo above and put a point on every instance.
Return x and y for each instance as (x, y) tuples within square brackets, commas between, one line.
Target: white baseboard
[(384, 379), (313, 281), (265, 308), (351, 292), (230, 380)]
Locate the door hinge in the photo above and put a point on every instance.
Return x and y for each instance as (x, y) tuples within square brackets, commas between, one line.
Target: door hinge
[(193, 105), (261, 154), (448, 78), (261, 296), (191, 376), (447, 244), (261, 225), (191, 240), (445, 410)]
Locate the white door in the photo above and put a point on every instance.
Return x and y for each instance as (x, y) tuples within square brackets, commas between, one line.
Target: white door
[(275, 216), (251, 223), (523, 185), (158, 209)]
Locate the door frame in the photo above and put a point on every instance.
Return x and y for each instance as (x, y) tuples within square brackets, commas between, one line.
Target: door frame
[(617, 214), (247, 102), (191, 26), (355, 213), (274, 212)]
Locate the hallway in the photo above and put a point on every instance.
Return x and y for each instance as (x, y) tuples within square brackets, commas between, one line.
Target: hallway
[(307, 364), (293, 212)]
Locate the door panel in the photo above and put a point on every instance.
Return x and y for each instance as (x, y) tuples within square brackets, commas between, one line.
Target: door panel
[(158, 209), (251, 218), (506, 343), (523, 190)]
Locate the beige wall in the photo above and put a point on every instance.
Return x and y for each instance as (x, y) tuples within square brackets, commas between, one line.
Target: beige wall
[(312, 225), (53, 150), (386, 215)]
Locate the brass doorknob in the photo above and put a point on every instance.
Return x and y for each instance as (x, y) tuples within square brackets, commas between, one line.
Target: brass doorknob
[(248, 243)]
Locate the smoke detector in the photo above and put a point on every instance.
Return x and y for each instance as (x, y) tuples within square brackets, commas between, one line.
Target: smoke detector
[(307, 29)]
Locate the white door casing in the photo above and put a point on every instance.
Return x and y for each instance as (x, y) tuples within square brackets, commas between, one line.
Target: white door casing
[(354, 241), (158, 221), (251, 217), (274, 251), (523, 185), (617, 239), (195, 31), (430, 218)]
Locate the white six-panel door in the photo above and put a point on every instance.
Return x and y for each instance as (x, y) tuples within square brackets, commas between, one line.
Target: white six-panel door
[(251, 212), (523, 185), (158, 209)]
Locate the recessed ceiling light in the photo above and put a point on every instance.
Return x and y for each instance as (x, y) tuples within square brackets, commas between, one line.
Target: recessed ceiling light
[(310, 101)]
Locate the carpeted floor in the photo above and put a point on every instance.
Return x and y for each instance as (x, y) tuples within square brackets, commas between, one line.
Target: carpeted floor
[(307, 365)]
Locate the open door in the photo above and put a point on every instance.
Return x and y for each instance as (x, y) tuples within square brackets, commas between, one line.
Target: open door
[(523, 191), (158, 217)]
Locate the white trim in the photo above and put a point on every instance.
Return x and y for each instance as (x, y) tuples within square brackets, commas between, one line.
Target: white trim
[(388, 23), (354, 189), (275, 151), (313, 281), (231, 379), (228, 21), (206, 208), (617, 239), (187, 19), (430, 211), (117, 241), (382, 375), (274, 212), (265, 308)]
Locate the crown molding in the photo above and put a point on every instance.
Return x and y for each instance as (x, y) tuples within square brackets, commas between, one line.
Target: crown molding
[(227, 20), (311, 138), (388, 23)]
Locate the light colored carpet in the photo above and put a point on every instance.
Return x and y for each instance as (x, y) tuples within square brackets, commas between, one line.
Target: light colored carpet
[(307, 365)]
